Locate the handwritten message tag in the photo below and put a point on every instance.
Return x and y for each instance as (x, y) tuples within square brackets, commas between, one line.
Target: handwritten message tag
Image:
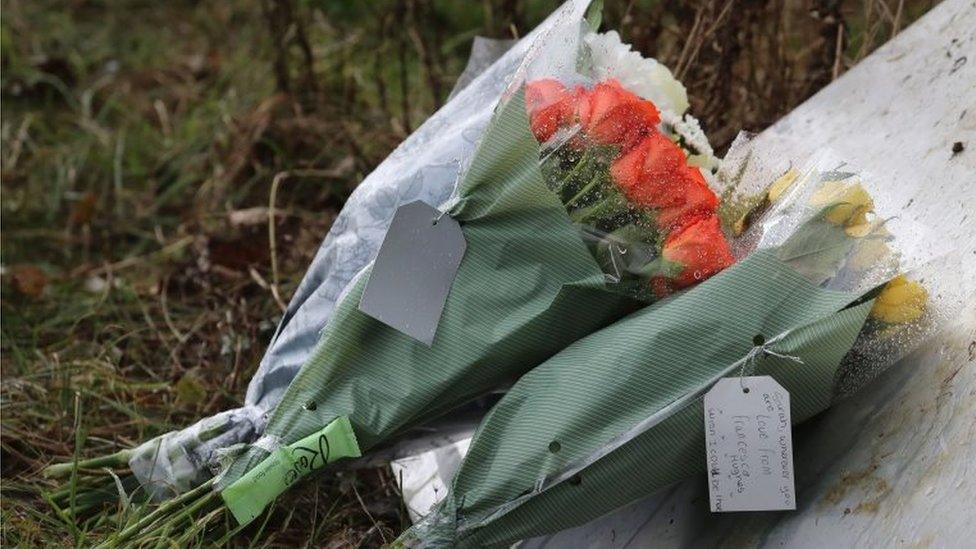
[(749, 445), (414, 271)]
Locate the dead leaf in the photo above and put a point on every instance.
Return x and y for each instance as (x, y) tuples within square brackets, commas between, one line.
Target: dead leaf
[(83, 211), (29, 280), (248, 216), (343, 168), (238, 254)]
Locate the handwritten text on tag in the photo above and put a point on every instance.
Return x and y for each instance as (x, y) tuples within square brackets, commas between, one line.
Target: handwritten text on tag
[(749, 445)]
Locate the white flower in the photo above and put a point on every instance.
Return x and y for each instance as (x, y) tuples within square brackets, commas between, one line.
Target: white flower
[(690, 131), (645, 77), (611, 58)]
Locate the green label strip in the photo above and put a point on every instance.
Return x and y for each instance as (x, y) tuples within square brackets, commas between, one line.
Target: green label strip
[(249, 496)]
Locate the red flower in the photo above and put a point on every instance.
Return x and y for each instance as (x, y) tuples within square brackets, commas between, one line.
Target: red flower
[(611, 115), (645, 173), (550, 106), (654, 174), (695, 199), (701, 250)]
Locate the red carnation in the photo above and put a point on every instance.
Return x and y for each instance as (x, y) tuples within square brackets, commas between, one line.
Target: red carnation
[(695, 199), (701, 250), (645, 173), (550, 106), (611, 115)]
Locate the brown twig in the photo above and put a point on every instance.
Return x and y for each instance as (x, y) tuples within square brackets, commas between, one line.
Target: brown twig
[(896, 25), (272, 244), (838, 52), (368, 514)]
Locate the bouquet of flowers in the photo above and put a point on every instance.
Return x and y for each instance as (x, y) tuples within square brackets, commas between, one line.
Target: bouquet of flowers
[(650, 216), (585, 199), (547, 231), (824, 299)]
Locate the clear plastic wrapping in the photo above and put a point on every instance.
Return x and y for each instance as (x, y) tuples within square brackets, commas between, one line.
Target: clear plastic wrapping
[(424, 167), (579, 205), (920, 278), (827, 293), (620, 105)]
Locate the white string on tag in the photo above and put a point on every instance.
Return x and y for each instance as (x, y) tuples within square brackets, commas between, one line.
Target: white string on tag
[(761, 349), (439, 217)]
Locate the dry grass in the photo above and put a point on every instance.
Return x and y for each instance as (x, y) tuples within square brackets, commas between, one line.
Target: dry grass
[(140, 142)]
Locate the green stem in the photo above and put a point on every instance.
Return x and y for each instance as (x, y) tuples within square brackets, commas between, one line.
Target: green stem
[(188, 514), (200, 525), (68, 521), (118, 459), (655, 267), (79, 441), (213, 432), (164, 540), (661, 267), (579, 165), (609, 203), (231, 532), (586, 188), (85, 485), (160, 512), (570, 176)]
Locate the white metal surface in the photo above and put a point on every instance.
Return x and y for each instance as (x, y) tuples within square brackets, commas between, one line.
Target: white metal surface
[(895, 466)]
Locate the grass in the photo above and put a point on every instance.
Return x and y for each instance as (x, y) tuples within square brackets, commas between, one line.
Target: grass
[(139, 145)]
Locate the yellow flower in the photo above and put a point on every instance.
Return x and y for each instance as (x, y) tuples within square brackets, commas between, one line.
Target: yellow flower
[(780, 185), (849, 206), (900, 301), (756, 206), (860, 229)]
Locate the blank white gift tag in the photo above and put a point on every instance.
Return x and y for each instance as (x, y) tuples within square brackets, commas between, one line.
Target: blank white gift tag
[(414, 270), (749, 445)]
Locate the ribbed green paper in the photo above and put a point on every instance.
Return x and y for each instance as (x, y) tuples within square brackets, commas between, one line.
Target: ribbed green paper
[(248, 496), (527, 287), (559, 416)]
